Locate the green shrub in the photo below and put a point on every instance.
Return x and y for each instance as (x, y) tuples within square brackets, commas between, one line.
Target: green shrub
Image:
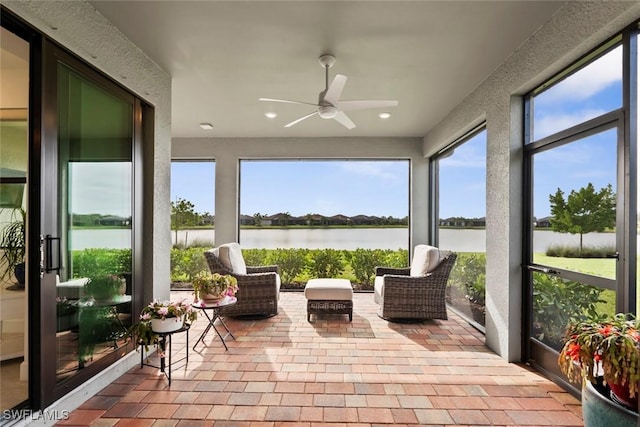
[(364, 262), (100, 262), (326, 263), (558, 302), (469, 276), (396, 259), (255, 257), (187, 263), (291, 263), (201, 243), (575, 252)]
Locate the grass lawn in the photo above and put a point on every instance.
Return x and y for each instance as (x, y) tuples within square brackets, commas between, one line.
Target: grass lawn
[(602, 267)]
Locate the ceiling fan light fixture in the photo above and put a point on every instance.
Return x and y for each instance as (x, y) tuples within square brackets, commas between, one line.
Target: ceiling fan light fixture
[(206, 126), (271, 115), (384, 115), (327, 112)]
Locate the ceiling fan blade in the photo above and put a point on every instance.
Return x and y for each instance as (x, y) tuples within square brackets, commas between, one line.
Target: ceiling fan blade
[(288, 125), (287, 101), (335, 90), (344, 120), (363, 105)]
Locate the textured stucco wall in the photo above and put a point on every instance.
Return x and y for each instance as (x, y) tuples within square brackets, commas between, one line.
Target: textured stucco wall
[(77, 26), (228, 151), (574, 30)]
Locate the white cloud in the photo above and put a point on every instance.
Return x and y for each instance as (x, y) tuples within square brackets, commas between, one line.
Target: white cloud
[(380, 169), (103, 188), (548, 125), (590, 80)]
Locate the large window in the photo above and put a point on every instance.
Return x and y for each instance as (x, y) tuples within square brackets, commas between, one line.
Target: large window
[(192, 218), (577, 203), (460, 185), (326, 210), (193, 202)]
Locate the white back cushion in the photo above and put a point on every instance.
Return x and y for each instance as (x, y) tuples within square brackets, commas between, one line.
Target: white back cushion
[(230, 255), (425, 259)]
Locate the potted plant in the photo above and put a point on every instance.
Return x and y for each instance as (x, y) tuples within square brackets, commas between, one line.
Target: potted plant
[(66, 314), (605, 352), (12, 243), (214, 286), (158, 317), (105, 288)]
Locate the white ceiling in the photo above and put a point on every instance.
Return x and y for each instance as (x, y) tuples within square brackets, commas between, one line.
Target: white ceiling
[(224, 55)]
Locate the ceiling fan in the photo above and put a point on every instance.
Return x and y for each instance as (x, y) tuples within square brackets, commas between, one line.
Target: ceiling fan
[(329, 105)]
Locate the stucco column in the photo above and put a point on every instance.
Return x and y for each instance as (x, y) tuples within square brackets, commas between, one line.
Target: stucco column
[(504, 229), (227, 196)]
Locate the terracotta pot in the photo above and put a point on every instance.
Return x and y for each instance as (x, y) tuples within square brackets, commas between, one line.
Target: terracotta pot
[(211, 298)]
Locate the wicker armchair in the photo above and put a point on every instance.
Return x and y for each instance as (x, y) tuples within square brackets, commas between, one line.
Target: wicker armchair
[(405, 297), (258, 290)]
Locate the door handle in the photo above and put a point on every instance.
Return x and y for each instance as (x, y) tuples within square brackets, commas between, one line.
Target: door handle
[(51, 243)]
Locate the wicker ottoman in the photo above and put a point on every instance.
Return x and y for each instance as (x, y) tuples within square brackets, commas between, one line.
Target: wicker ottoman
[(332, 296)]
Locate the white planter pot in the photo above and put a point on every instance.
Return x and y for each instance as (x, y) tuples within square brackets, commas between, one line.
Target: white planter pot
[(167, 325)]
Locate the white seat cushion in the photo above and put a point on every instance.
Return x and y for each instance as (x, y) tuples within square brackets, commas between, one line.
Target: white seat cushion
[(328, 289), (230, 255), (425, 259), (378, 289)]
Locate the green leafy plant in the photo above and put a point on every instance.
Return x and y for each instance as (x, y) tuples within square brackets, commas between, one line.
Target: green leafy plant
[(187, 263), (105, 287), (101, 262), (290, 262), (326, 263), (255, 256), (603, 347), (214, 284), (558, 303), (364, 263), (12, 243)]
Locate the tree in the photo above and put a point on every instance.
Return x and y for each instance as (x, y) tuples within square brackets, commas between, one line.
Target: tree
[(257, 218), (584, 211), (182, 215)]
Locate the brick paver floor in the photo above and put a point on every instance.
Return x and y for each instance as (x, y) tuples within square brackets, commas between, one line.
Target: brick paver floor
[(284, 371)]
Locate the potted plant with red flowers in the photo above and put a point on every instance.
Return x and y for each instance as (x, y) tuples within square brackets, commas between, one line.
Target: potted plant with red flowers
[(607, 352)]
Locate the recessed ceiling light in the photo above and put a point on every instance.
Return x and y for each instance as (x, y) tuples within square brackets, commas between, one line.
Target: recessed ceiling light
[(270, 115), (384, 115), (207, 126)]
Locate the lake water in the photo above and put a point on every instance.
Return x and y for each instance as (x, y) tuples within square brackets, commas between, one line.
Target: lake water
[(459, 240)]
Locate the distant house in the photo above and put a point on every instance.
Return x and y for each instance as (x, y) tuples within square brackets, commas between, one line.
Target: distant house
[(461, 222), (113, 221), (247, 220), (363, 220), (543, 222), (338, 220)]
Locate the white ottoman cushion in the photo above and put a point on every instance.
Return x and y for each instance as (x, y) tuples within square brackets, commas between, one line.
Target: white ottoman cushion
[(328, 289)]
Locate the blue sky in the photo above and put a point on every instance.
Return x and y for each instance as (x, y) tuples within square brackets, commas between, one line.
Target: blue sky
[(301, 187), (381, 188)]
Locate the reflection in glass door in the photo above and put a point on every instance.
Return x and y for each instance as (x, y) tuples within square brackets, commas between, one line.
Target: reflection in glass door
[(14, 143), (93, 301)]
